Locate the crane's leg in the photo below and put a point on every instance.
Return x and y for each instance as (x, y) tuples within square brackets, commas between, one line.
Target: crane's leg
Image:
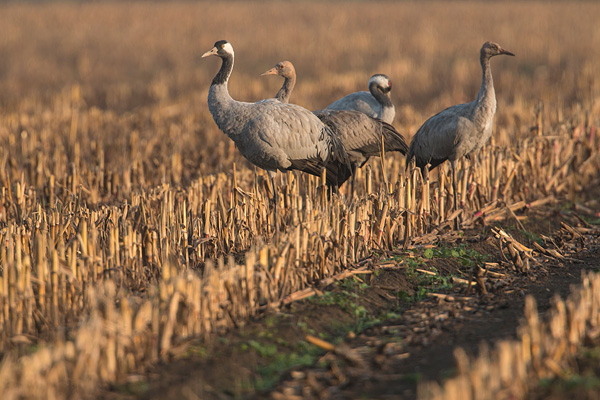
[(353, 181), (333, 190), (453, 164), (272, 175)]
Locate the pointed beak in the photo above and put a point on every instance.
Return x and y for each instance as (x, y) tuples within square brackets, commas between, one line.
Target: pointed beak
[(508, 53), (272, 71), (211, 52)]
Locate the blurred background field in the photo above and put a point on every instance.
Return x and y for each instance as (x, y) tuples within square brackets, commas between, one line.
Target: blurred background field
[(144, 57), (129, 55)]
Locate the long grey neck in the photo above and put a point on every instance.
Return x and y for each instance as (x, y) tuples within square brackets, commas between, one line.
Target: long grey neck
[(220, 104), (286, 90), (486, 98), (382, 98)]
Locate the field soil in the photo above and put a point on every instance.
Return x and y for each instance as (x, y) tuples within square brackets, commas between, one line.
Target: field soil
[(393, 324)]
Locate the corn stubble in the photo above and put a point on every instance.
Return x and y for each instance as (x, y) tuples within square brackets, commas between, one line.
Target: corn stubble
[(126, 233)]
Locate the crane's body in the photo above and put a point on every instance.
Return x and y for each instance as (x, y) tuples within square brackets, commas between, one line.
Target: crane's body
[(362, 135), (448, 134), (274, 135)]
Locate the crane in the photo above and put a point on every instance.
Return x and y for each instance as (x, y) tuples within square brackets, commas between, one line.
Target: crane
[(462, 129), (273, 135)]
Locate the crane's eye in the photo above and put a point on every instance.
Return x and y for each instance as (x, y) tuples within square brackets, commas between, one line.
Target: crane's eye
[(222, 46)]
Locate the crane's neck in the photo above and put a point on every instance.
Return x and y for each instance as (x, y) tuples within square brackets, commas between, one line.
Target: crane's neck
[(220, 104), (382, 98), (286, 90), (224, 73), (486, 98)]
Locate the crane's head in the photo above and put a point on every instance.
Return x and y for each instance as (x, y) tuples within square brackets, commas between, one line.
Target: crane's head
[(381, 83), (221, 49), (285, 69), (491, 49)]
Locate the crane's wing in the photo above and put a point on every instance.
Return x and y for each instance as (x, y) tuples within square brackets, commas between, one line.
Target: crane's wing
[(300, 141), (338, 166), (361, 133)]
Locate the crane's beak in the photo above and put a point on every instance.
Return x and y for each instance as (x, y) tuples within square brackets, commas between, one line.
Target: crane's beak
[(272, 71), (211, 52), (508, 53)]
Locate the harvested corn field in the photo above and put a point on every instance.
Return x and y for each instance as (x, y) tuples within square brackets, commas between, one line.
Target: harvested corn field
[(142, 257)]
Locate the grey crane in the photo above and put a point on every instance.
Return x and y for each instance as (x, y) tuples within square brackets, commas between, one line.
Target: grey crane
[(359, 133), (462, 129), (273, 135), (376, 103)]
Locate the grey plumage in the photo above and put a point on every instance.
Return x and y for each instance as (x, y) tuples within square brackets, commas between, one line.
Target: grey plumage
[(359, 133), (461, 129), (274, 135), (376, 103)]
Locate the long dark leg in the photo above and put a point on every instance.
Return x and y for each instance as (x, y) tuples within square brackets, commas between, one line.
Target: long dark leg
[(272, 175), (453, 164), (352, 182)]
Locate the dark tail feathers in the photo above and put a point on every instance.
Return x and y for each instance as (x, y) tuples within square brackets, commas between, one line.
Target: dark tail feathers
[(393, 140)]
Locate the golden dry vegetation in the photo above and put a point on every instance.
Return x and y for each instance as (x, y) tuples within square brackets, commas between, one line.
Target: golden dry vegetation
[(130, 223)]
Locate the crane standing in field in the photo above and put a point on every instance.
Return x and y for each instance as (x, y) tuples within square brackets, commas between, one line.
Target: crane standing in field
[(462, 129), (360, 134), (376, 103), (273, 135)]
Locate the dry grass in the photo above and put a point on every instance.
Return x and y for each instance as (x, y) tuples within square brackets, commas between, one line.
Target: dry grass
[(116, 184)]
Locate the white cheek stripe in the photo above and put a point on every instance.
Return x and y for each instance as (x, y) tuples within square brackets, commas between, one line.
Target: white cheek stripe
[(227, 47)]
